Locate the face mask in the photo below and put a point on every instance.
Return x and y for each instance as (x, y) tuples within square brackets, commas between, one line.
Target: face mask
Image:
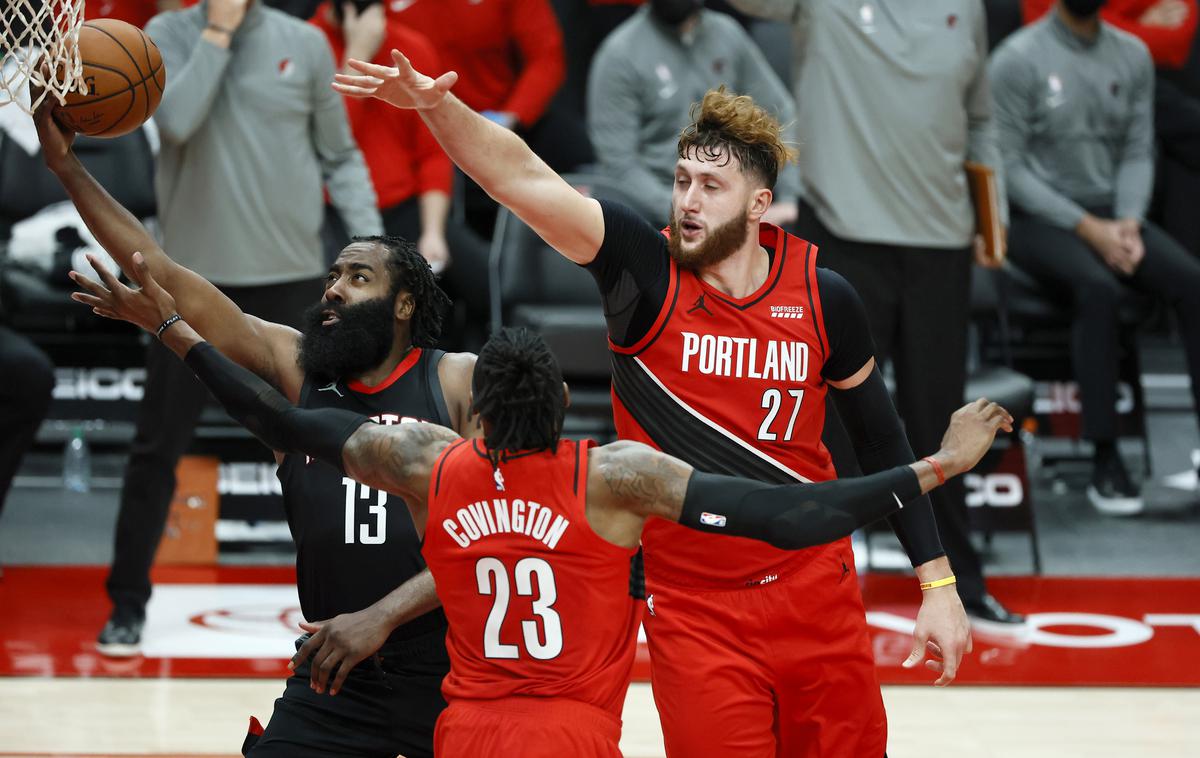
[(1083, 8), (674, 12)]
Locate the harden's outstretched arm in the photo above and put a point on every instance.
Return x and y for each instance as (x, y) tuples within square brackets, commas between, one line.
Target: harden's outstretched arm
[(396, 459), (267, 349)]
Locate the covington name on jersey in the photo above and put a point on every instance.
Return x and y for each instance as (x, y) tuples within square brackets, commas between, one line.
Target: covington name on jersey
[(779, 360), (503, 516)]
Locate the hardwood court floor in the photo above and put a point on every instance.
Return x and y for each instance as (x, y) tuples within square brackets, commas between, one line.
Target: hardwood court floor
[(190, 717)]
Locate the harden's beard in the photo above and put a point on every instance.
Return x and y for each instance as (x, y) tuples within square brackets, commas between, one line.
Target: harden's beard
[(357, 343), (720, 243)]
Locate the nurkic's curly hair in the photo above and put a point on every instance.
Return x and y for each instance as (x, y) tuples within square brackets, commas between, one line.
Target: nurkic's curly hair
[(518, 390), (411, 273), (731, 126)]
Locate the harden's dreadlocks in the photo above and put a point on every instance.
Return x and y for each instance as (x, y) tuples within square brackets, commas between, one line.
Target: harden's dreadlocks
[(411, 273), (518, 390)]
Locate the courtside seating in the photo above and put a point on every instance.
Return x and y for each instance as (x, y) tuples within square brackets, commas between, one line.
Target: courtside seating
[(1036, 340), (124, 166), (99, 362), (535, 287)]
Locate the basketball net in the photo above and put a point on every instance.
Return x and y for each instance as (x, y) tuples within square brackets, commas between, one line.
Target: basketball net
[(39, 45)]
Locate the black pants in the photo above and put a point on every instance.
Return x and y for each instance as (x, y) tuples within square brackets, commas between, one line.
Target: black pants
[(917, 301), (1177, 120), (166, 420), (1063, 262), (26, 381), (387, 706)]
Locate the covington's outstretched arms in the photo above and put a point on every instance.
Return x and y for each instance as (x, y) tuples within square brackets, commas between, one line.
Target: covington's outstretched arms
[(788, 516)]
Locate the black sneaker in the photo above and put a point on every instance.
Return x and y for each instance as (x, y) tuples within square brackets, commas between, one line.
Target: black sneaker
[(1112, 492), (121, 636), (989, 609)]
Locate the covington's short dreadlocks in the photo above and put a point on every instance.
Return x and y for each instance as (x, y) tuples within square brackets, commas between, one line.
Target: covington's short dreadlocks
[(518, 389), (411, 273)]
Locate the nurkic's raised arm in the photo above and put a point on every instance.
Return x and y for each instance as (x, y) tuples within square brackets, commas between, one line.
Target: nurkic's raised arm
[(497, 159)]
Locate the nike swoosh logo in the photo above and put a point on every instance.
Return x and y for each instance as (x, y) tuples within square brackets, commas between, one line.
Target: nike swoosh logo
[(897, 500)]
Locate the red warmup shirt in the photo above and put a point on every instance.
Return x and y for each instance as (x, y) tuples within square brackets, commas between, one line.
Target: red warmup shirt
[(1168, 47), (402, 155), (538, 603), (136, 12), (508, 53)]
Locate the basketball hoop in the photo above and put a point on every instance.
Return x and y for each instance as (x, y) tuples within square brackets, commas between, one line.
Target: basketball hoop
[(39, 37)]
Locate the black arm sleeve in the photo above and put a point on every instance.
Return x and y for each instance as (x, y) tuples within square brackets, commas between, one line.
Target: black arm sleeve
[(256, 405), (879, 443), (846, 327), (794, 516), (632, 270)]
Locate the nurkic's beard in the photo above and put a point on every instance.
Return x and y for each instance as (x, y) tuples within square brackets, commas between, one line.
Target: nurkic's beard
[(359, 341), (720, 243)]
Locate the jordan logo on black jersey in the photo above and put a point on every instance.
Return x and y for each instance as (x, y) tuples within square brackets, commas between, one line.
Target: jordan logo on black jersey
[(331, 387), (700, 306)]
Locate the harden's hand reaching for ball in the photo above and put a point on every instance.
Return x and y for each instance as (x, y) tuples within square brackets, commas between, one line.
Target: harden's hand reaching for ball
[(400, 85)]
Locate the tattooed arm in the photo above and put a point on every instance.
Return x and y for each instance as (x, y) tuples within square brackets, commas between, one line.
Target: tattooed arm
[(397, 459), (628, 483)]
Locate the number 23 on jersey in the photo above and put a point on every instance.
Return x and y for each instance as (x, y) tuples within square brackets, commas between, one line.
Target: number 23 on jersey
[(530, 575)]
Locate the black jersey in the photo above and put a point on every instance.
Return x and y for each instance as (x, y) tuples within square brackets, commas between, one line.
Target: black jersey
[(355, 544)]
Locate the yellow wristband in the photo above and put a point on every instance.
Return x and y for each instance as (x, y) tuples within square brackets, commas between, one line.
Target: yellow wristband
[(939, 583)]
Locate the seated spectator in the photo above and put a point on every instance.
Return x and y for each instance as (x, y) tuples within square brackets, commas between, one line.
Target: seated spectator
[(1073, 104), (1168, 27), (643, 82), (411, 174)]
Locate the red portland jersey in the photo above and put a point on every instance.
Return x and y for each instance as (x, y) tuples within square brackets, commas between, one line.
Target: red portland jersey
[(538, 603), (732, 386)]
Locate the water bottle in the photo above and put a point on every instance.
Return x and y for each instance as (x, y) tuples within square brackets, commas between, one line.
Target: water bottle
[(77, 463)]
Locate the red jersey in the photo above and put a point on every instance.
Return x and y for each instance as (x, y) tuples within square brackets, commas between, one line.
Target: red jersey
[(402, 156), (732, 386), (538, 603)]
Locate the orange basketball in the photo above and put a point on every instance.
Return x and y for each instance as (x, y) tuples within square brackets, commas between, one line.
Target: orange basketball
[(123, 78)]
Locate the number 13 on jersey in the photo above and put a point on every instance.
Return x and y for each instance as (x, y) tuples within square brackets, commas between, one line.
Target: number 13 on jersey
[(366, 533)]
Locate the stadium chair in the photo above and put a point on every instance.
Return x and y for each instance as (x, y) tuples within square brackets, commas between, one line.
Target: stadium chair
[(100, 362), (535, 287), (125, 166)]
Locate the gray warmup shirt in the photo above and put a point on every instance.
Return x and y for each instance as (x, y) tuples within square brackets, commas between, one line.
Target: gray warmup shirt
[(1076, 121), (643, 82), (892, 97), (248, 135)]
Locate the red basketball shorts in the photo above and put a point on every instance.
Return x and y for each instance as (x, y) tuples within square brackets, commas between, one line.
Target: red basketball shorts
[(529, 727), (783, 668)]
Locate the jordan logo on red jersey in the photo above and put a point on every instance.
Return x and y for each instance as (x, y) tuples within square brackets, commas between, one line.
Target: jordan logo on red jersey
[(700, 306)]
